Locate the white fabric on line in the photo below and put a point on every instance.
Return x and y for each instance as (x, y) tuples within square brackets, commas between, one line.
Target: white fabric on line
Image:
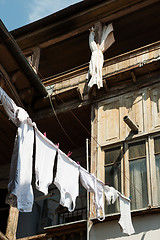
[(20, 191), (19, 187), (67, 180), (111, 194), (125, 218), (92, 184), (44, 161), (97, 59)]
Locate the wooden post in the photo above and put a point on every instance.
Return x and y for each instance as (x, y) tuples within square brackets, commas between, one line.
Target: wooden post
[(36, 58), (2, 82), (94, 119), (12, 223)]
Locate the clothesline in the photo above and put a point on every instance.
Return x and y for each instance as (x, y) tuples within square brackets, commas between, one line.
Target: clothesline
[(67, 175)]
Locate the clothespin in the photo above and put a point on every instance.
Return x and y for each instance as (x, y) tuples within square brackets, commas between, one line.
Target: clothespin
[(57, 145), (78, 163), (130, 197), (45, 134), (69, 154)]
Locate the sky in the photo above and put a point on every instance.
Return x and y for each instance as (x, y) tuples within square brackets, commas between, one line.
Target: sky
[(17, 13)]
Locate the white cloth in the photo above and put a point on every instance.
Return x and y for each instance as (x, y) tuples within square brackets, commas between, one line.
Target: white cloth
[(19, 187), (125, 218), (97, 59), (44, 161), (9, 106), (111, 194), (67, 180), (92, 184)]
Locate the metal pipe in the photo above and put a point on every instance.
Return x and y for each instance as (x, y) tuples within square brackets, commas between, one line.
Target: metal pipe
[(88, 215), (131, 124), (44, 197), (21, 60)]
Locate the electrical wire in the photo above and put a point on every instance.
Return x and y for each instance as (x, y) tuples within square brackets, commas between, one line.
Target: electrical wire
[(60, 122), (79, 121), (98, 143)]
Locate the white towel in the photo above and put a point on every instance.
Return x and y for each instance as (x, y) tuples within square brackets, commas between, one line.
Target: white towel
[(67, 180), (111, 194), (92, 184), (125, 219), (19, 187), (44, 161)]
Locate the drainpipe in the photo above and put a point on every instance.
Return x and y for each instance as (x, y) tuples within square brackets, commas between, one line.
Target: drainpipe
[(88, 208), (21, 60), (131, 124)]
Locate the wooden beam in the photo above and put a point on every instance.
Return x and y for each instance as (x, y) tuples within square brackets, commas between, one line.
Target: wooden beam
[(79, 94), (2, 82), (98, 32), (123, 8), (16, 74), (105, 85), (36, 58), (133, 76), (40, 236), (12, 223), (92, 91), (11, 86), (2, 236)]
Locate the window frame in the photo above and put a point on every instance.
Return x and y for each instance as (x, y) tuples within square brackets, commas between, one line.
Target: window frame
[(150, 167), (154, 189)]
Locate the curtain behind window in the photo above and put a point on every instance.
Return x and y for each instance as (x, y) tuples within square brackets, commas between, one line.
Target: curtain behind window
[(113, 174), (157, 161), (138, 175)]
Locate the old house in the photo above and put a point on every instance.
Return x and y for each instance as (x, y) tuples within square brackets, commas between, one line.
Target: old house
[(113, 131)]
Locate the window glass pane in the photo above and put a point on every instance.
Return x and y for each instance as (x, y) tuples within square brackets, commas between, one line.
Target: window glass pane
[(157, 145), (113, 155), (113, 179), (138, 183), (137, 150), (157, 159), (113, 176)]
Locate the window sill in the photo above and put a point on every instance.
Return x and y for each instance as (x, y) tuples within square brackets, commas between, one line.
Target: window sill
[(134, 213), (74, 226)]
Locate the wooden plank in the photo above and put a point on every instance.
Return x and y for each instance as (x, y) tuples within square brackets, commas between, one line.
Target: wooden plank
[(40, 236), (11, 86), (36, 58), (2, 236), (94, 129), (12, 223), (133, 76), (109, 12)]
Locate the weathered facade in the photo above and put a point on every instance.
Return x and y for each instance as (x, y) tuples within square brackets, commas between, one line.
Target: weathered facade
[(90, 123)]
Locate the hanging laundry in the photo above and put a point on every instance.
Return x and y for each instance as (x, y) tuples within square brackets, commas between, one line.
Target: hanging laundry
[(67, 180), (111, 194), (67, 175), (125, 218), (9, 106), (96, 63), (44, 161), (92, 184), (19, 187)]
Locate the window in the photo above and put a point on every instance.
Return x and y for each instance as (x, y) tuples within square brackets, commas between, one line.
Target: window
[(157, 165), (133, 168), (138, 175), (113, 173)]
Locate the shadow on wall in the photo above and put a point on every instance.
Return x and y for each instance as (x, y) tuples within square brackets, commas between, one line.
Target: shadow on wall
[(147, 227)]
